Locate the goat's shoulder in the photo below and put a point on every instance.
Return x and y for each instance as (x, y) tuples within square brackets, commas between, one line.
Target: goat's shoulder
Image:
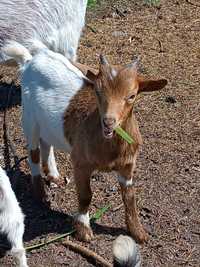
[(80, 107)]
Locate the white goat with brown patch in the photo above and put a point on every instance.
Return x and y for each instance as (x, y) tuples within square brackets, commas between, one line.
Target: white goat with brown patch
[(63, 108)]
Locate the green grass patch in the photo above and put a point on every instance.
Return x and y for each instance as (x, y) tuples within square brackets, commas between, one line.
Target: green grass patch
[(152, 2), (92, 3)]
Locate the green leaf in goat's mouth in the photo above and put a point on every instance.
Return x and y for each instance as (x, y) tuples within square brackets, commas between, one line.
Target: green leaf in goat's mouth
[(124, 135)]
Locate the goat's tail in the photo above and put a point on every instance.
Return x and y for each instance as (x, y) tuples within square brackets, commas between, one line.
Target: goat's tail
[(126, 252), (17, 51)]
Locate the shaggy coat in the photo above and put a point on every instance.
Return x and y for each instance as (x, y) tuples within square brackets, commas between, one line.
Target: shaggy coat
[(11, 220), (56, 23), (126, 252), (65, 109)]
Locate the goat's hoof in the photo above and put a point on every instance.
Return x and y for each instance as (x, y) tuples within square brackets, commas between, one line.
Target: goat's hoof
[(139, 235), (84, 233), (55, 181)]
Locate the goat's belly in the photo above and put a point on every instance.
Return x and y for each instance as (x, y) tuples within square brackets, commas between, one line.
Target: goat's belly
[(56, 142), (52, 132)]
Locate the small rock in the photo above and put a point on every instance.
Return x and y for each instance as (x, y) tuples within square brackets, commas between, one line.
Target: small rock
[(118, 33), (170, 99)]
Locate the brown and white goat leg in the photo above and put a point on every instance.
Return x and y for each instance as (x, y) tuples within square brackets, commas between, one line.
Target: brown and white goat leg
[(49, 164), (133, 223), (37, 180), (84, 193)]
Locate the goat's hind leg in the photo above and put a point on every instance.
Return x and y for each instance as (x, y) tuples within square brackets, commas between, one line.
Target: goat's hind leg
[(15, 238), (84, 193), (31, 132), (49, 164), (129, 198), (20, 256)]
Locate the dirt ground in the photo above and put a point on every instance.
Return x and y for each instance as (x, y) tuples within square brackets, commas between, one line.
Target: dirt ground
[(168, 167)]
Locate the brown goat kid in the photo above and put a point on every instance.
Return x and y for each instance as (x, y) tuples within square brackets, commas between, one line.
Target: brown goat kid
[(63, 108), (89, 123)]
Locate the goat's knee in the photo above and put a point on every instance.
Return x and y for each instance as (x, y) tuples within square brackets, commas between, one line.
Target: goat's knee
[(34, 161)]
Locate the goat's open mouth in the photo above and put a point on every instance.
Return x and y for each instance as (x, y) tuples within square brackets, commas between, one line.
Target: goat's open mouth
[(107, 132)]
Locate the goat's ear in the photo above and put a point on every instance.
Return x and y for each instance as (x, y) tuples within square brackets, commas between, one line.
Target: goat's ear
[(146, 85)]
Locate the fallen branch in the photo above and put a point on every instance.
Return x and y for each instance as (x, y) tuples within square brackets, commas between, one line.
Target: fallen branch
[(86, 252), (191, 3)]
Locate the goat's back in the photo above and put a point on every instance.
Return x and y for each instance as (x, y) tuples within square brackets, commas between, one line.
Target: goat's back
[(57, 23), (49, 82)]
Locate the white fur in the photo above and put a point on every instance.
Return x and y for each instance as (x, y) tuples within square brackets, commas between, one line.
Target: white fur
[(83, 218), (126, 252), (19, 51), (122, 180), (47, 153), (49, 81), (11, 219), (56, 23)]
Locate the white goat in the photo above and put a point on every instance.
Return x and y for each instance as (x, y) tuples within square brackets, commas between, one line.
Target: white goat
[(56, 23), (11, 219)]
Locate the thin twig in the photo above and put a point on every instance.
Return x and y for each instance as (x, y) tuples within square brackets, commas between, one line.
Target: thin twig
[(47, 242), (191, 3), (118, 207), (86, 252), (91, 28), (161, 49)]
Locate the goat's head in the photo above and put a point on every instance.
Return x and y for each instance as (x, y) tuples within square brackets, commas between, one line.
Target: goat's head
[(116, 89)]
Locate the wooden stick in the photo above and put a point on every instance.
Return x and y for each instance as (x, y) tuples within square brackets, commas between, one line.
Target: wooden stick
[(86, 252)]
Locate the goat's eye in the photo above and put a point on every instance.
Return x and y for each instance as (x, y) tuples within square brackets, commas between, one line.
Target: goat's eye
[(98, 94), (130, 98)]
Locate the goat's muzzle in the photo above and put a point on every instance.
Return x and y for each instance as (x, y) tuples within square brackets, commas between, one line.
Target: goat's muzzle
[(108, 125)]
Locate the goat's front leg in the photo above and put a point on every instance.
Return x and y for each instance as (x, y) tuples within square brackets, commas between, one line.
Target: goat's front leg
[(84, 193), (133, 223)]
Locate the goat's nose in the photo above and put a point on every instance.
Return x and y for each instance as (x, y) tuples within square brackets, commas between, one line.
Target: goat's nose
[(109, 121)]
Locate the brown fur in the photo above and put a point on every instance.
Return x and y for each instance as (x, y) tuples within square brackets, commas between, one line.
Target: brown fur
[(35, 155), (83, 232), (109, 95)]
